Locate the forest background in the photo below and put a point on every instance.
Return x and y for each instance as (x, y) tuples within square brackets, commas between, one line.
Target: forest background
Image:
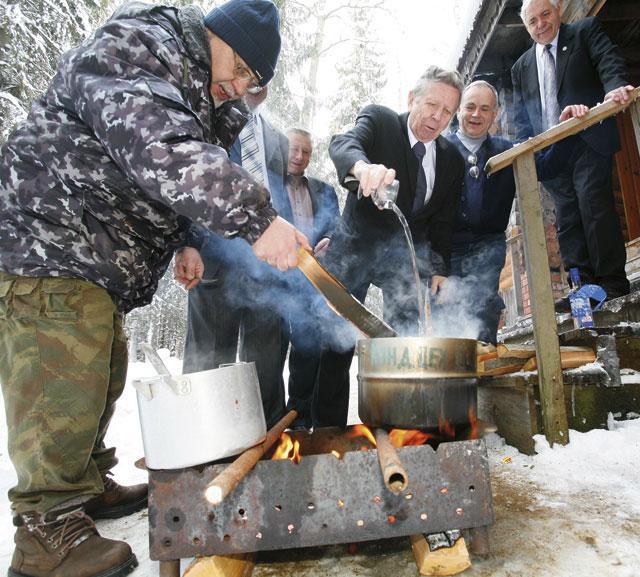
[(337, 56)]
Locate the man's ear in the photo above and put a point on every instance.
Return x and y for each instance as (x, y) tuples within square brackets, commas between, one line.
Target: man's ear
[(410, 99)]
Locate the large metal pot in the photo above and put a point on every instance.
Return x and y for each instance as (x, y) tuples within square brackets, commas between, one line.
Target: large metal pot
[(416, 382), (200, 417)]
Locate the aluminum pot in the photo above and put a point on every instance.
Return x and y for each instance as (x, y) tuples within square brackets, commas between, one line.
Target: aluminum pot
[(416, 382), (200, 417)]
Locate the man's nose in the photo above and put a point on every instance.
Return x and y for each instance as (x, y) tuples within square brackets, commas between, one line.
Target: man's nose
[(437, 114)]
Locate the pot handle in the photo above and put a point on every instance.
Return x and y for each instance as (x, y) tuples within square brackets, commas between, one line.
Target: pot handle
[(180, 386)]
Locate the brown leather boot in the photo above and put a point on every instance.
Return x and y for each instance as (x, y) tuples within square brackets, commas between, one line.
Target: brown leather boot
[(116, 501), (67, 546)]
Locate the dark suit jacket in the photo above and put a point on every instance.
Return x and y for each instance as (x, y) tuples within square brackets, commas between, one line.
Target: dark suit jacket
[(498, 191), (324, 202), (588, 66), (380, 136)]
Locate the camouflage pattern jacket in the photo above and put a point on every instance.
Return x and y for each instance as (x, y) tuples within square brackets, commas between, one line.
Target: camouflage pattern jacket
[(120, 155)]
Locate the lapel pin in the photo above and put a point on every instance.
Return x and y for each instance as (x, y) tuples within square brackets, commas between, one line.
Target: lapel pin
[(564, 48)]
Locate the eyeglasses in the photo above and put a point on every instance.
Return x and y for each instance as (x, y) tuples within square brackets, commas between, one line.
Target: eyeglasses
[(242, 73), (474, 171)]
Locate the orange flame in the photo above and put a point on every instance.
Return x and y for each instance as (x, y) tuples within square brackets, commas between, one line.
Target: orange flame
[(446, 429), (287, 449), (404, 437), (361, 431), (473, 423)]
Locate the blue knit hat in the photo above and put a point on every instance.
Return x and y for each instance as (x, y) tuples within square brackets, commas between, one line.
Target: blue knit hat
[(252, 29)]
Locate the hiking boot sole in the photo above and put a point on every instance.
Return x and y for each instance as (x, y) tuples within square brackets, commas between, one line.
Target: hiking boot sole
[(118, 571)]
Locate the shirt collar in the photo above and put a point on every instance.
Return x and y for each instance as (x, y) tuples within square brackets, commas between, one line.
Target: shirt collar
[(554, 45), (412, 139)]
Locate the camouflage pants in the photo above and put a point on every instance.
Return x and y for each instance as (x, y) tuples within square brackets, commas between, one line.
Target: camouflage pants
[(63, 363)]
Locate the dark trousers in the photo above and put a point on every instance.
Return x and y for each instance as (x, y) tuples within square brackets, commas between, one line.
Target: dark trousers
[(588, 226), (228, 317)]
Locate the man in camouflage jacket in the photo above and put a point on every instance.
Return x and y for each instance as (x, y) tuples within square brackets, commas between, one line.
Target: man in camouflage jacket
[(126, 148)]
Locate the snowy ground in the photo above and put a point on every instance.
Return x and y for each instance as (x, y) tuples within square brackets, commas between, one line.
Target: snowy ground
[(567, 512)]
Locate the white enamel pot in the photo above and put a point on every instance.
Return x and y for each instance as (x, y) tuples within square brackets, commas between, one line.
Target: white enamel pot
[(200, 417)]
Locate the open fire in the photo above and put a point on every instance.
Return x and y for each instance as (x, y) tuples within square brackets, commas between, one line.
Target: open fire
[(290, 449)]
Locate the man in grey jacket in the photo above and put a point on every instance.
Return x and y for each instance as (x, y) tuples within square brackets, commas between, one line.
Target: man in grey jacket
[(127, 148)]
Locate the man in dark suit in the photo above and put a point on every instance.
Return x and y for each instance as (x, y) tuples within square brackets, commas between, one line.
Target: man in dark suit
[(313, 205), (368, 246), (229, 312), (479, 245), (572, 64)]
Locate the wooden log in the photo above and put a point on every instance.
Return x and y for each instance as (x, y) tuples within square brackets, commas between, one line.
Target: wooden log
[(222, 566), (570, 358), (441, 562), (393, 472), (516, 351), (499, 366), (227, 481)]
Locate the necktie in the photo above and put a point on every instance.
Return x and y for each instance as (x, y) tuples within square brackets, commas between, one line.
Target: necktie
[(421, 184), (250, 150), (551, 107)]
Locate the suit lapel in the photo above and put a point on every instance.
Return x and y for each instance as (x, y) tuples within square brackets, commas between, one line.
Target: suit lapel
[(531, 86), (565, 47)]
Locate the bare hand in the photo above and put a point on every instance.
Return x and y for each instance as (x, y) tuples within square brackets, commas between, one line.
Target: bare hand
[(573, 111), (321, 248), (278, 245), (371, 176), (620, 94), (188, 267)]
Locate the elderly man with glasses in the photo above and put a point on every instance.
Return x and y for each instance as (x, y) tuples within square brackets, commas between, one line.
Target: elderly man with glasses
[(98, 186)]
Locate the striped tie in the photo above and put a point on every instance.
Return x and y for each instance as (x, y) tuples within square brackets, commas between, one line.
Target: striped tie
[(551, 107), (250, 150)]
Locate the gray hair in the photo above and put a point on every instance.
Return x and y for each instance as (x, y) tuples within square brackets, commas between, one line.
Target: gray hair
[(484, 84), (437, 74), (525, 5), (301, 132)]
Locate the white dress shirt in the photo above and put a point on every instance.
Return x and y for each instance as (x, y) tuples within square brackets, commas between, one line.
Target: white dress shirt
[(428, 161)]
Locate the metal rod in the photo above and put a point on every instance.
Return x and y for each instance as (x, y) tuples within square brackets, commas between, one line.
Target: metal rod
[(170, 568), (227, 481), (394, 474)]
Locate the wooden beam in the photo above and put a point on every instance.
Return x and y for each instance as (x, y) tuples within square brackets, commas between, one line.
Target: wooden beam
[(573, 11), (635, 117), (544, 318), (555, 133)]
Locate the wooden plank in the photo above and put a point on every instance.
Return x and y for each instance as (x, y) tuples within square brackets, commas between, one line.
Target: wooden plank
[(544, 316), (628, 166), (170, 568), (513, 410), (569, 359), (555, 133), (441, 562), (222, 566), (635, 118), (512, 351)]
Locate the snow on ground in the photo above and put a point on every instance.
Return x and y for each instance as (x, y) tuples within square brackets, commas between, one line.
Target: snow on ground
[(570, 511)]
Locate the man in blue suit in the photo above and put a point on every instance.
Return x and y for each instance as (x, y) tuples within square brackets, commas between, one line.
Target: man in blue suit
[(576, 64)]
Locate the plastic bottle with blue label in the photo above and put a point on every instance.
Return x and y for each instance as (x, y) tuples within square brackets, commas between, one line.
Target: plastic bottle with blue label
[(580, 304)]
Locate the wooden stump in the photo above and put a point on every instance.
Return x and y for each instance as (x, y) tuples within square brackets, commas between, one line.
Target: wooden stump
[(222, 566), (441, 562)]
